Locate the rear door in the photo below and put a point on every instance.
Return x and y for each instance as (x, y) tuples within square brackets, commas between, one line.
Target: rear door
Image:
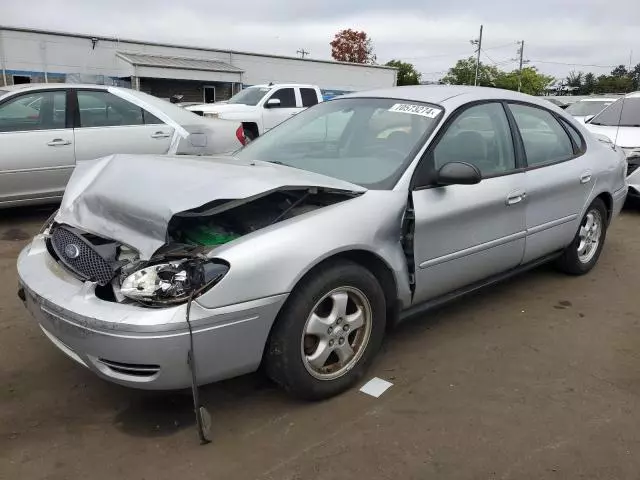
[(466, 233), (36, 146), (559, 178), (274, 115), (107, 124)]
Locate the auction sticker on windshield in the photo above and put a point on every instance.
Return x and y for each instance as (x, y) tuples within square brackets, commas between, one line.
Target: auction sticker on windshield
[(415, 110)]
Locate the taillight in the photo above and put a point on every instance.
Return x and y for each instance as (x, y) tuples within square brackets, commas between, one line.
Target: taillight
[(240, 135)]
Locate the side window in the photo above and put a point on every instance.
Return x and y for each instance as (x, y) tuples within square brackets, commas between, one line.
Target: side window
[(309, 97), (103, 109), (286, 96), (545, 141), (480, 136), (44, 110), (150, 119), (577, 139)]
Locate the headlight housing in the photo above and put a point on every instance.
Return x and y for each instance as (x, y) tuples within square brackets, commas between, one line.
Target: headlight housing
[(173, 281), (212, 115), (48, 222)]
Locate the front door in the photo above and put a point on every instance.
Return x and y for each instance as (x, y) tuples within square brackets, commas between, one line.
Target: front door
[(273, 115), (109, 124), (466, 233), (36, 147)]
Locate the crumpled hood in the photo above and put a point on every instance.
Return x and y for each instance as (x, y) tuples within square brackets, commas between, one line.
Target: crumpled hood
[(132, 198)]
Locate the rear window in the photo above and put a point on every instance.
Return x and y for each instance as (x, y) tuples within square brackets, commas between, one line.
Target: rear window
[(309, 97), (587, 107), (625, 112)]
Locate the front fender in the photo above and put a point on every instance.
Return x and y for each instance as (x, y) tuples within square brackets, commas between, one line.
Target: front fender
[(273, 260)]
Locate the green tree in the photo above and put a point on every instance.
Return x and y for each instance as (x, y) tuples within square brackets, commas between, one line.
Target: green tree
[(463, 73), (532, 82), (589, 84), (635, 77), (407, 73), (619, 71), (614, 84), (575, 80)]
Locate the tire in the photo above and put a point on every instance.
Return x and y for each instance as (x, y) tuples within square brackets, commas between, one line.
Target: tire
[(572, 261), (298, 342)]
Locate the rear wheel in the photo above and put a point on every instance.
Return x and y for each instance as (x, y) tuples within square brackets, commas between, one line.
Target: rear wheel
[(328, 332), (583, 253)]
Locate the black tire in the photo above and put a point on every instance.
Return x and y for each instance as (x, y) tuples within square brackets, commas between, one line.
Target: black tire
[(284, 353), (570, 261)]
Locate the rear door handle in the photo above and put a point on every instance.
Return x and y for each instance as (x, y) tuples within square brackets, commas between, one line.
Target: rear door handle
[(585, 177), (58, 142), (515, 197), (160, 135)]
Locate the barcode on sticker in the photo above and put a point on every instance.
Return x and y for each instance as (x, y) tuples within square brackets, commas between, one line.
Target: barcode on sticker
[(415, 110)]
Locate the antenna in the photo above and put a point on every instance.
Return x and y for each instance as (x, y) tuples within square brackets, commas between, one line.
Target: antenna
[(302, 52), (615, 141)]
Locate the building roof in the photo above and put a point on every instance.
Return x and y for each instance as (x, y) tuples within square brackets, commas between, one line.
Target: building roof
[(191, 47), (161, 61)]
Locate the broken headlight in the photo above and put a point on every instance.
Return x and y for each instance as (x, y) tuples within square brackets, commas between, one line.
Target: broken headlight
[(173, 281)]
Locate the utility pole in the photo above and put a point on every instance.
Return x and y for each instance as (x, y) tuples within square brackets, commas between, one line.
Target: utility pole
[(477, 42), (521, 55), (302, 52)]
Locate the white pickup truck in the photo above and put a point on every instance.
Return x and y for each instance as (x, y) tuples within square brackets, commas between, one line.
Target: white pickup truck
[(262, 107)]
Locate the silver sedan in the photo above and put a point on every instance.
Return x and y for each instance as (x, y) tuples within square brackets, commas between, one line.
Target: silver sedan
[(299, 252), (45, 129)]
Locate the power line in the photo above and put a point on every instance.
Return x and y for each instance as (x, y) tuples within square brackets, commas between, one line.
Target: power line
[(575, 64), (302, 52)]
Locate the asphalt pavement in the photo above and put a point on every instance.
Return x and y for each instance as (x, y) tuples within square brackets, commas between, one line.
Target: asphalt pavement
[(535, 378)]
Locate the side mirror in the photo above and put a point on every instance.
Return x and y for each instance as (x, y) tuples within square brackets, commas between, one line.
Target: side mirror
[(588, 118), (458, 173), (273, 103)]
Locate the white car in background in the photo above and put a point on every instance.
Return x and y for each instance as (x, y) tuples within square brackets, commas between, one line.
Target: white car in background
[(620, 123), (45, 129), (262, 107), (586, 108)]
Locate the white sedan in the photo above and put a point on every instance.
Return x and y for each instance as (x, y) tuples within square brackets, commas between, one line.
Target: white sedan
[(45, 129)]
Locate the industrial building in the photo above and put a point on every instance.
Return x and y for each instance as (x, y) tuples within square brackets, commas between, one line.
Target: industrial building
[(199, 74)]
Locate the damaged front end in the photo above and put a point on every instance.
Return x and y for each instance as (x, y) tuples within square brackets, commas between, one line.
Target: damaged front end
[(185, 265)]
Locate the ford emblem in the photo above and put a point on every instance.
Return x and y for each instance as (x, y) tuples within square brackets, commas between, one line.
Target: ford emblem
[(72, 251)]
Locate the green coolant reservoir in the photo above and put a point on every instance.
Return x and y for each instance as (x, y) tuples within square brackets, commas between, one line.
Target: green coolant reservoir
[(209, 235)]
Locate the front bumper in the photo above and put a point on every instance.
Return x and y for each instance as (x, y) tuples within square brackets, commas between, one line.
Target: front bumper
[(137, 346)]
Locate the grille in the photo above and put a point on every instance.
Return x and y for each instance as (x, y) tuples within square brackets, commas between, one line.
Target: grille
[(135, 369), (79, 256), (198, 112)]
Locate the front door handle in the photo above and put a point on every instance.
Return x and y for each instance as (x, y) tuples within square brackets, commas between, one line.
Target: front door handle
[(515, 197), (585, 177), (58, 142), (161, 135)]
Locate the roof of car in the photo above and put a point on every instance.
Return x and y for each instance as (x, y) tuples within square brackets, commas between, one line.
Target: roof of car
[(265, 85), (599, 99), (40, 86), (440, 94)]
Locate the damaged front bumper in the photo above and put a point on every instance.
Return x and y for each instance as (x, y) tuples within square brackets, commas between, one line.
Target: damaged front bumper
[(138, 346)]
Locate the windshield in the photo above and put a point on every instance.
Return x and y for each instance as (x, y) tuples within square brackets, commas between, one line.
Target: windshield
[(366, 141), (587, 107), (249, 96), (625, 111)]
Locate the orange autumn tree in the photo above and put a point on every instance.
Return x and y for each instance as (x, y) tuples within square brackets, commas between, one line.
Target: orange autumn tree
[(352, 46)]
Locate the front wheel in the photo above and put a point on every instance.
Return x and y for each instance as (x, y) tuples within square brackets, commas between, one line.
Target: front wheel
[(328, 332), (583, 253)]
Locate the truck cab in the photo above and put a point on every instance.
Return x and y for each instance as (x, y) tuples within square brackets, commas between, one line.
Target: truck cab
[(262, 107)]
